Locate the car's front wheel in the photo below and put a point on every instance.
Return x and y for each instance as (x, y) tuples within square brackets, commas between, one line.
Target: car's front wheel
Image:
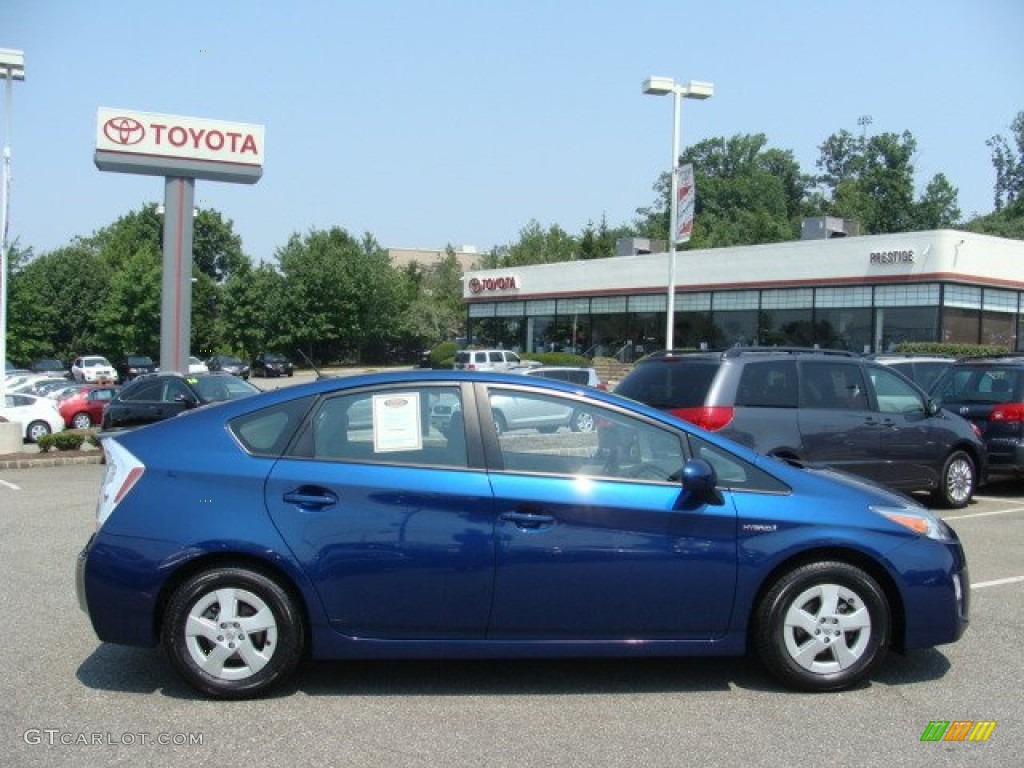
[(582, 421), (81, 421), (957, 482), (822, 626), (233, 632)]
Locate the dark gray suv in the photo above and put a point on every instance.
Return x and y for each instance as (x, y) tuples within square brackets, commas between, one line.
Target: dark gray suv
[(821, 407)]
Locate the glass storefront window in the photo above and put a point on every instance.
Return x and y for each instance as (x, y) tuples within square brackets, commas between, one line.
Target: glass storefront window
[(845, 328), (786, 328), (960, 326), (900, 324)]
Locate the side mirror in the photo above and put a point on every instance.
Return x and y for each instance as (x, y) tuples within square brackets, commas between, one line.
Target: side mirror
[(699, 477), (931, 407)]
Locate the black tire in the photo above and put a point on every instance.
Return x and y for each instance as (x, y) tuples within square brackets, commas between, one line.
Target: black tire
[(252, 659), (822, 627), (81, 421), (957, 483), (36, 430)]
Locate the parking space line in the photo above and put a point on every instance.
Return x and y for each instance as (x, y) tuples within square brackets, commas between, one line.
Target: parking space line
[(12, 486), (985, 514), (997, 582)]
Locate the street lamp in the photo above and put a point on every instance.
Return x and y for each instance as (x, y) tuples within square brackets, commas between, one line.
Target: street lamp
[(693, 89), (12, 67)]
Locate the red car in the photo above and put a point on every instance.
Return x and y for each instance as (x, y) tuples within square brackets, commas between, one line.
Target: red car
[(83, 408)]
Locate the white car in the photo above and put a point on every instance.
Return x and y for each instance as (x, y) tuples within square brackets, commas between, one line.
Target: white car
[(195, 365), (38, 415), (93, 368)]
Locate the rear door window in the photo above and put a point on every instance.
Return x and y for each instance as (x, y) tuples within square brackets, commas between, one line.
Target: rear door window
[(771, 384)]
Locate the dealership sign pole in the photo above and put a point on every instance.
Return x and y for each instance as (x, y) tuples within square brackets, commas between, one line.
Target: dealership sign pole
[(181, 149)]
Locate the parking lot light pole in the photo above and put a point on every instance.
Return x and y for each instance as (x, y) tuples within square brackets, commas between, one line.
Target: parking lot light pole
[(693, 89), (12, 67)]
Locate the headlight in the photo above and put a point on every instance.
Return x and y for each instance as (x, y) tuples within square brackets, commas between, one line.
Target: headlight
[(918, 520)]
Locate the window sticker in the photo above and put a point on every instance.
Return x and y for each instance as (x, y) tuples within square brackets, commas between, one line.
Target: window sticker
[(396, 422)]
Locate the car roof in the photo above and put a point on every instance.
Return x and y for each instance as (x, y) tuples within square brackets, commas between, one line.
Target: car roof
[(669, 355)]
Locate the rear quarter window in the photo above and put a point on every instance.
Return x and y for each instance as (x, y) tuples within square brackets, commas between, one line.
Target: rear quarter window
[(268, 431), (669, 384)]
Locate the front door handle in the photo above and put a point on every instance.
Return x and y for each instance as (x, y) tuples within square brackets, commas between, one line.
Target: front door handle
[(530, 521)]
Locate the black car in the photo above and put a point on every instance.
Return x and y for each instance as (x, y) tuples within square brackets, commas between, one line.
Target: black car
[(923, 370), (52, 367), (133, 366), (159, 396), (817, 406), (228, 364), (989, 392), (271, 364)]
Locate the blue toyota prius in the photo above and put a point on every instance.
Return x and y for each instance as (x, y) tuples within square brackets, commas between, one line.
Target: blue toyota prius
[(400, 515)]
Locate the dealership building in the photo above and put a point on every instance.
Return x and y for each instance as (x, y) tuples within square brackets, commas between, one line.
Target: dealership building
[(862, 293)]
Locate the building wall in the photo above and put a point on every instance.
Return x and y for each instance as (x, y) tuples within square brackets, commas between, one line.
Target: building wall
[(933, 255), (863, 293)]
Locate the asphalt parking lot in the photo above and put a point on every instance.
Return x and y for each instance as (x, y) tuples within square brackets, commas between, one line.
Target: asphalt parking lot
[(69, 699)]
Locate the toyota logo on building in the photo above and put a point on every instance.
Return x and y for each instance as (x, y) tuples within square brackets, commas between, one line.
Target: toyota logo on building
[(124, 131), (504, 283)]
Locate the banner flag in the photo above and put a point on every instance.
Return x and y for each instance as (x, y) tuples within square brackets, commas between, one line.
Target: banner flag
[(686, 193)]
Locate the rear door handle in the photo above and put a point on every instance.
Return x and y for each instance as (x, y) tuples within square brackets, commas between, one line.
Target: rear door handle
[(317, 498)]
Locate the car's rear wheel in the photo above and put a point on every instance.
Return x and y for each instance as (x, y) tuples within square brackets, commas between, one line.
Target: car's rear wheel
[(957, 482), (81, 421), (233, 632), (36, 430), (822, 626)]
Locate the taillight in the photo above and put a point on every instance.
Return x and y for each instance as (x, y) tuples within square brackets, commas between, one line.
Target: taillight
[(709, 417), (123, 472), (1007, 412)]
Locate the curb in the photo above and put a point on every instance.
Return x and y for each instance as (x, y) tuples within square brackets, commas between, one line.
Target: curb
[(49, 461)]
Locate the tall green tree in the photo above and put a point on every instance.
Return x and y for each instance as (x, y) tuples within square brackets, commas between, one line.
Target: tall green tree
[(249, 312), (1008, 162), (599, 242), (54, 300), (342, 297), (535, 245), (128, 321), (747, 193), (434, 311), (937, 208), (870, 179)]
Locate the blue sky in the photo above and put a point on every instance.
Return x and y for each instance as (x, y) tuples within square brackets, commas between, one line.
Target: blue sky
[(452, 121)]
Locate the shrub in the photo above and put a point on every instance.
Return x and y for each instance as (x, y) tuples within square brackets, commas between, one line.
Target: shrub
[(944, 348), (556, 358), (68, 441), (443, 354)]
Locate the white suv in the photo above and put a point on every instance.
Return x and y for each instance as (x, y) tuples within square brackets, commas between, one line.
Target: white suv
[(489, 360), (90, 368)]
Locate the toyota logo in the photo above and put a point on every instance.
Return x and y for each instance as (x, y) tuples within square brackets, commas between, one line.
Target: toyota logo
[(124, 130), (964, 410), (475, 286)]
